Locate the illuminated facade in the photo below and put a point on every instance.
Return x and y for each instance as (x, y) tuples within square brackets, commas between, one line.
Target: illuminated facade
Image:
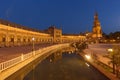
[(16, 35), (55, 33), (72, 38), (97, 32)]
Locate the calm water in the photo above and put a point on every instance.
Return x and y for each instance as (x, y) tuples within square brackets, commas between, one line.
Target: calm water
[(64, 67)]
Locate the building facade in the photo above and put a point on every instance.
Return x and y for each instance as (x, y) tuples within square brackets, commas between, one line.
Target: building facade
[(72, 38), (55, 33), (17, 35)]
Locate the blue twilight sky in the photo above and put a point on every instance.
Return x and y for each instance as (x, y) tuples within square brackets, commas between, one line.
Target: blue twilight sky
[(74, 16)]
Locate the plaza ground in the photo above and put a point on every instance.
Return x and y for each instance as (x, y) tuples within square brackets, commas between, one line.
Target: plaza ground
[(7, 53), (100, 50)]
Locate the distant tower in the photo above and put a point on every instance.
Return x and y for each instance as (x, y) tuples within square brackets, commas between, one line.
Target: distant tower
[(96, 31)]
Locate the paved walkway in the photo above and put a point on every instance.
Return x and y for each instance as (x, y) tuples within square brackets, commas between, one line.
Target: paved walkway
[(7, 53), (100, 50)]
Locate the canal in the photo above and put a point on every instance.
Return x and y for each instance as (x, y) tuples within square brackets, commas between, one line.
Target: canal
[(59, 66)]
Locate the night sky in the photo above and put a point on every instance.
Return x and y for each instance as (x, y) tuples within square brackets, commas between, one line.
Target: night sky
[(73, 16)]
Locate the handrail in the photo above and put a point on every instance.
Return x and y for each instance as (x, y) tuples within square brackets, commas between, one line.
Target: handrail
[(7, 64)]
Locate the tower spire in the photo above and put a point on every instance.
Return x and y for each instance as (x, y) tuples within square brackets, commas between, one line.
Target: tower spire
[(97, 32), (96, 17)]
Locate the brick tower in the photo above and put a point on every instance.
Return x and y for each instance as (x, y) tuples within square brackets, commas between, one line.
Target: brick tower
[(96, 31)]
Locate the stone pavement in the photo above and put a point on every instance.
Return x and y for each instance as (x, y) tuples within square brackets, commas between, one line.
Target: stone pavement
[(7, 53), (100, 57), (100, 50)]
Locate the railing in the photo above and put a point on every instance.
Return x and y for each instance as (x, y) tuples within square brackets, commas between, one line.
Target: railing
[(10, 63), (7, 64)]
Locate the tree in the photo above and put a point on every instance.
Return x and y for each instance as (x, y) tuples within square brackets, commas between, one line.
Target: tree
[(115, 59), (114, 35), (81, 46)]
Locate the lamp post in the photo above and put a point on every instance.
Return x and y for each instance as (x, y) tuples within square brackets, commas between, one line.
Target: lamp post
[(110, 50), (113, 59), (33, 46), (88, 57)]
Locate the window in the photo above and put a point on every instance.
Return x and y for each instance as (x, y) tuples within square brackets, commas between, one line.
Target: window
[(12, 40), (3, 39), (24, 40), (28, 40), (18, 40)]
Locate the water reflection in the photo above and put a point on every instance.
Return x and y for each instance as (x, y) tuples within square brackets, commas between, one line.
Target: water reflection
[(19, 75), (56, 56), (61, 65), (70, 67)]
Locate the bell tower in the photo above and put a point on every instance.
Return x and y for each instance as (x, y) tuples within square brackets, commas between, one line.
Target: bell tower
[(96, 31)]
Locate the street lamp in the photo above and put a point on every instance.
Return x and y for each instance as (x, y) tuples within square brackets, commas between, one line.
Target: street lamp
[(113, 59), (88, 57), (33, 39), (110, 50)]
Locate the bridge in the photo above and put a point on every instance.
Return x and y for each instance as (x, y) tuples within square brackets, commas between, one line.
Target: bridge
[(9, 67)]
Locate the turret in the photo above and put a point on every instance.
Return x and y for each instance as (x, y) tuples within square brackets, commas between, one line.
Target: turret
[(96, 31)]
